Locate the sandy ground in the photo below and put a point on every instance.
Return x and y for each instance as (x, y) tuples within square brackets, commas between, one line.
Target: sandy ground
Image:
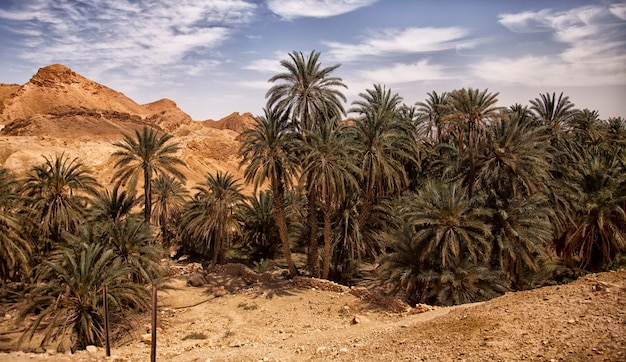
[(238, 317)]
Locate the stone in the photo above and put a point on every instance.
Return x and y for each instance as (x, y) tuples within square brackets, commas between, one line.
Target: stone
[(91, 348), (146, 338)]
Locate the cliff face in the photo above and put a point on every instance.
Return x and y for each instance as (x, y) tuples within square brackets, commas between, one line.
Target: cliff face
[(56, 95), (60, 111)]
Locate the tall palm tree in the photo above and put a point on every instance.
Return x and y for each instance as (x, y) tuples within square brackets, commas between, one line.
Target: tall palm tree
[(58, 191), (267, 151), (385, 144), (516, 157), (330, 170), (310, 95), (306, 91), (147, 155), (433, 111), (170, 197), (596, 234), (15, 249), (472, 108)]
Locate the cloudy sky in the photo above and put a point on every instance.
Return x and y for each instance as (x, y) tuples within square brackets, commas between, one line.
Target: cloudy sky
[(214, 57)]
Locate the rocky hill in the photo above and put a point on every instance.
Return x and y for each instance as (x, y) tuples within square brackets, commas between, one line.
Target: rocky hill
[(59, 110)]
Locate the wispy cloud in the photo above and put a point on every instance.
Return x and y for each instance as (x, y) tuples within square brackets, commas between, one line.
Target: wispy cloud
[(400, 41), (123, 35), (593, 38), (290, 9), (396, 73)]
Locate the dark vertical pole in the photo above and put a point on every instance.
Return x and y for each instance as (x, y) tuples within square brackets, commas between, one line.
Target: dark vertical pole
[(154, 322), (106, 321)]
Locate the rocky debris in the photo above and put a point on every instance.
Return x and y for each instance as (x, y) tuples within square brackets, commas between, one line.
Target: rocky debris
[(91, 349)]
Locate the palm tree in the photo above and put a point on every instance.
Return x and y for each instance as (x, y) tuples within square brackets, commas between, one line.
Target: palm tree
[(385, 147), (329, 171), (434, 112), (306, 91), (67, 295), (148, 154), (472, 107), (210, 215), (258, 226), (516, 157), (310, 95), (267, 151), (133, 244), (111, 206), (596, 234), (15, 249), (170, 197), (448, 223), (58, 191)]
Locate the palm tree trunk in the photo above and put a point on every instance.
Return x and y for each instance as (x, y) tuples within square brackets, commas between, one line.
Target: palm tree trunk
[(472, 170), (147, 197), (313, 255), (279, 210), (328, 247)]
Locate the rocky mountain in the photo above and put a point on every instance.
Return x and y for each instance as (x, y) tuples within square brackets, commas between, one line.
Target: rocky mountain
[(60, 111)]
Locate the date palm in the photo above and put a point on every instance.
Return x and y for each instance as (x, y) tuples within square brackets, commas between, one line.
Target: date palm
[(306, 91), (259, 230), (111, 205), (516, 157), (210, 218), (596, 234), (433, 112), (330, 170), (58, 193), (66, 298), (169, 200), (267, 151), (384, 145), (472, 107), (147, 155), (15, 249)]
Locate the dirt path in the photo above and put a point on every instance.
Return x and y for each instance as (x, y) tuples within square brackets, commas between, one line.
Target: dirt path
[(230, 320)]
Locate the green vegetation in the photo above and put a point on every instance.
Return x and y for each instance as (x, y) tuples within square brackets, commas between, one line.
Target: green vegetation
[(456, 198)]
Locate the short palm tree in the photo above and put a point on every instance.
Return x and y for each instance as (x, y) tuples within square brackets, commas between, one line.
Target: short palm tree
[(170, 196), (111, 205), (210, 217), (330, 169), (433, 113), (259, 233), (66, 298), (148, 154), (58, 193), (15, 249), (268, 152)]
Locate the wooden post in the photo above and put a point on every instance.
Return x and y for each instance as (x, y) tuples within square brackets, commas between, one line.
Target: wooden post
[(154, 323), (106, 321)]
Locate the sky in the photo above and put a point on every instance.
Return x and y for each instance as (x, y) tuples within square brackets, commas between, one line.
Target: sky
[(215, 57)]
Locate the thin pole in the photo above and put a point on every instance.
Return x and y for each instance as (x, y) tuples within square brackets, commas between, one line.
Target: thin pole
[(154, 323), (106, 321)]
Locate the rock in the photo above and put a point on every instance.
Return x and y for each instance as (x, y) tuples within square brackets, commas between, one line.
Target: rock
[(91, 348), (343, 350), (321, 350), (358, 320), (220, 292), (197, 279), (146, 338)]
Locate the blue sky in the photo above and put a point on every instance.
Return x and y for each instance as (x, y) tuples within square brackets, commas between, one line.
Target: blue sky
[(214, 57)]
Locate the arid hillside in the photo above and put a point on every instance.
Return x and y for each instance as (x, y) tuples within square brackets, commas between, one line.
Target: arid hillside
[(59, 111)]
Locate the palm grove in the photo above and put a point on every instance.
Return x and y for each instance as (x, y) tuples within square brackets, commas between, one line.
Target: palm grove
[(455, 198)]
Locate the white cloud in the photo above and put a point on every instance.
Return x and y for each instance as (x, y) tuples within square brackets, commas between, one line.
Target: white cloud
[(403, 73), (290, 9), (619, 10), (136, 37), (266, 66), (593, 54), (400, 41)]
